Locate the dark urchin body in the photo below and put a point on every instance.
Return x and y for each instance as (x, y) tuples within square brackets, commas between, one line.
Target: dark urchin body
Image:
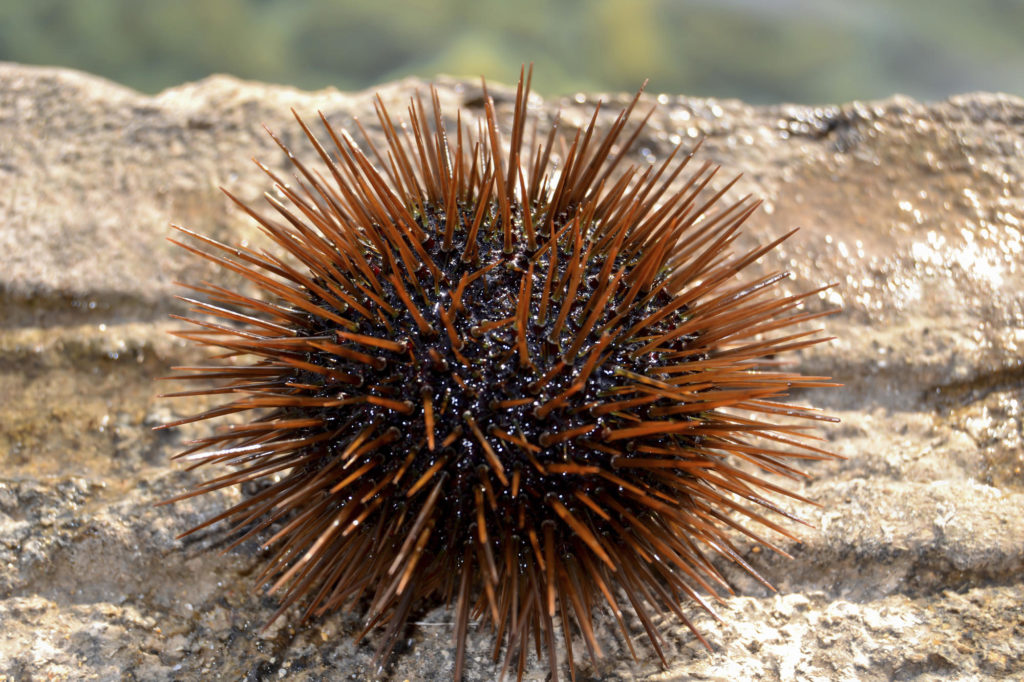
[(524, 389)]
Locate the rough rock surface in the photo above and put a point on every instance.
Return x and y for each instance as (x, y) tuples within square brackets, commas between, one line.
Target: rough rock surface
[(912, 570)]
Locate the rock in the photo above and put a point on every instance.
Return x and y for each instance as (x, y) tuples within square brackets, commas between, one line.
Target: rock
[(913, 565)]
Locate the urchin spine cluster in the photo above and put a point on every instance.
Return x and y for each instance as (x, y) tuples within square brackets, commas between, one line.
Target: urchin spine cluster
[(528, 388)]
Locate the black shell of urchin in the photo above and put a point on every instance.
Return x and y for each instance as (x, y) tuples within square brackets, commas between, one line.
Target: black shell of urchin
[(526, 388)]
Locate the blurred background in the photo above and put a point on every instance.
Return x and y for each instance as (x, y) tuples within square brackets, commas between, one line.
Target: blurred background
[(763, 51)]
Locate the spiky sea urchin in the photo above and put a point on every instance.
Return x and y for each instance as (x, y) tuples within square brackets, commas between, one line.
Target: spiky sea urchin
[(526, 387)]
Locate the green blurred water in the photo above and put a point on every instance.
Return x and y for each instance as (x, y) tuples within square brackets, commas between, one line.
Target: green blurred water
[(761, 51)]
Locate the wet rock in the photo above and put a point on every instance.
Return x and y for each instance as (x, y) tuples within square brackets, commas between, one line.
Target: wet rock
[(912, 568)]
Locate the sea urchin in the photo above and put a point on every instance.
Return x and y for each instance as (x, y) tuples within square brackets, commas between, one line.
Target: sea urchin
[(526, 387)]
